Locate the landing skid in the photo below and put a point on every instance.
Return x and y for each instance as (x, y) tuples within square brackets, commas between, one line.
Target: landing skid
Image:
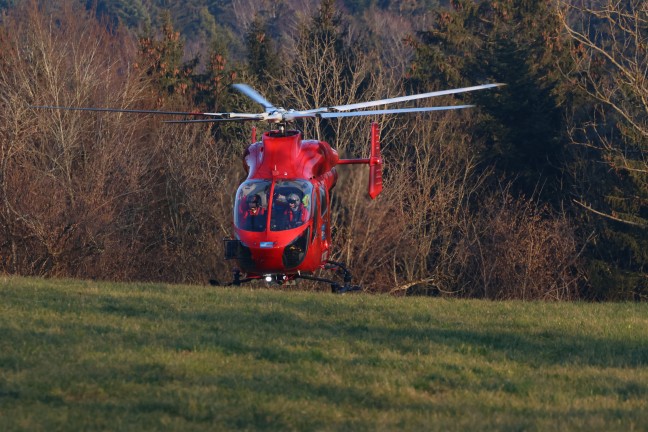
[(237, 281), (336, 287)]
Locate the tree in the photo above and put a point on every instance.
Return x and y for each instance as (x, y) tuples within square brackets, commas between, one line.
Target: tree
[(502, 240), (161, 61), (263, 58), (520, 128), (73, 187), (610, 68), (131, 13), (325, 67), (4, 4)]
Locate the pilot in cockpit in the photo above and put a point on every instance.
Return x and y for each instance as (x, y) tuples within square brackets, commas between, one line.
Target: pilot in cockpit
[(254, 217)]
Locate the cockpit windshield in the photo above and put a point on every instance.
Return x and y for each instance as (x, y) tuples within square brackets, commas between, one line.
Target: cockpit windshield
[(291, 204), (289, 207), (251, 208)]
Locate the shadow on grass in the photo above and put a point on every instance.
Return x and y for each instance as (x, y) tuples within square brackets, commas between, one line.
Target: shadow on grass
[(538, 349), (245, 327), (250, 328)]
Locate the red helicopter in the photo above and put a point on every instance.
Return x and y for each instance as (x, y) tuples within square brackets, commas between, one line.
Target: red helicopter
[(282, 215)]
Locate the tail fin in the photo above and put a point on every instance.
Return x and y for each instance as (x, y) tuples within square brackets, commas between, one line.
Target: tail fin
[(375, 163)]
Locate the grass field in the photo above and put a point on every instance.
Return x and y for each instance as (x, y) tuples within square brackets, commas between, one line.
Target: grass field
[(80, 355)]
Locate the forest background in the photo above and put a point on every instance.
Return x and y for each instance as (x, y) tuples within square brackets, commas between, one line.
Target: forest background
[(541, 192)]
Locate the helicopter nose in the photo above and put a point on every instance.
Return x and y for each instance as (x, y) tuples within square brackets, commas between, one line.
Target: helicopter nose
[(273, 252)]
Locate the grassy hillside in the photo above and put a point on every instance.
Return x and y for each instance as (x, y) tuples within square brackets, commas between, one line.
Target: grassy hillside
[(78, 355)]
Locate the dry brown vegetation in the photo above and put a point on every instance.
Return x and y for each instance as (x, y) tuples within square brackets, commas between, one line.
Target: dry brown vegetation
[(124, 197)]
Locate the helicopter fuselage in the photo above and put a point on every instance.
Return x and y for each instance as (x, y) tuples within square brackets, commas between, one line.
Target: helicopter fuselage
[(281, 212)]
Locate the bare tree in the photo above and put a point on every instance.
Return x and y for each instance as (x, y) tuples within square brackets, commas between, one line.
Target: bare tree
[(67, 176), (610, 57), (197, 196)]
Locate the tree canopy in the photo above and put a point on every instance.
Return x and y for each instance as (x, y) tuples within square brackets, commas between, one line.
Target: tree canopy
[(540, 191)]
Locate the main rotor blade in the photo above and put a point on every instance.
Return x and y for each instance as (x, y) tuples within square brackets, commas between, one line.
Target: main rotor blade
[(217, 120), (130, 111), (412, 97), (391, 111), (255, 96)]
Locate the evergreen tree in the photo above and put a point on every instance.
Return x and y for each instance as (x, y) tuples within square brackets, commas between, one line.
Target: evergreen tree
[(520, 129), (523, 125), (204, 27), (131, 13), (263, 59), (4, 4), (162, 61)]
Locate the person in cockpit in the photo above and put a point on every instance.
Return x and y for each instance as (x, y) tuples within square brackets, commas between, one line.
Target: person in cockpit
[(296, 213), (254, 217)]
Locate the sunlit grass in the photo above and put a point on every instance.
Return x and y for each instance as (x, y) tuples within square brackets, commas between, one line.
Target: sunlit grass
[(80, 355)]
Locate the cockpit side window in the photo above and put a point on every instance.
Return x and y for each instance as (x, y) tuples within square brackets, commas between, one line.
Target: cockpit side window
[(315, 217), (323, 203), (291, 204), (323, 210), (251, 206)]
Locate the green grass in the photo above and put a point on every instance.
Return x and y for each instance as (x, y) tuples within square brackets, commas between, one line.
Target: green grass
[(80, 355)]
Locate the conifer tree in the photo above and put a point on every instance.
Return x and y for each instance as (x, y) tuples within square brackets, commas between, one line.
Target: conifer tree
[(161, 60), (131, 13), (263, 60), (520, 128)]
